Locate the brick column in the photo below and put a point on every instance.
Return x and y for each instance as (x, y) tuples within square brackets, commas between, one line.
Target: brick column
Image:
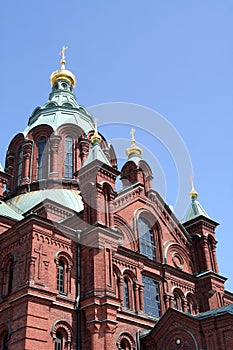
[(10, 167), (27, 152), (206, 253), (121, 292), (141, 297), (54, 148), (84, 143), (136, 293)]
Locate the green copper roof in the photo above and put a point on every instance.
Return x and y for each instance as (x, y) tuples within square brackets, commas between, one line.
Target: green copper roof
[(7, 211), (195, 210), (68, 198), (227, 309), (96, 153)]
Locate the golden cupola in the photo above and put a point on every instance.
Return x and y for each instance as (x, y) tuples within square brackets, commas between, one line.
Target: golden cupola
[(133, 150), (63, 73)]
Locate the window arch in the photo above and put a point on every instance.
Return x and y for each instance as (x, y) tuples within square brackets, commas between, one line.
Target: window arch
[(126, 341), (42, 158), (64, 265), (19, 165), (191, 304), (8, 275), (69, 157), (146, 239), (178, 299), (61, 333)]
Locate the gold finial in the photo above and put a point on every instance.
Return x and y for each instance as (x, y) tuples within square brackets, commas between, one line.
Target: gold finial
[(62, 53), (193, 193), (133, 149), (96, 136), (132, 132)]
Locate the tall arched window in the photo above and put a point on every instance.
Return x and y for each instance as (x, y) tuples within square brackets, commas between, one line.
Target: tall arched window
[(61, 276), (59, 341), (69, 157), (126, 292), (19, 165), (146, 239), (42, 158)]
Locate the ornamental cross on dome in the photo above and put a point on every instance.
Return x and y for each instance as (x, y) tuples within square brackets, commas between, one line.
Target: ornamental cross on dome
[(62, 53)]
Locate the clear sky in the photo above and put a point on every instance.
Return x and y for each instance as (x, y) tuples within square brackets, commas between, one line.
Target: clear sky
[(173, 56)]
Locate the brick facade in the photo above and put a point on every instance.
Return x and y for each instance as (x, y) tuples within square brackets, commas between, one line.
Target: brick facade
[(83, 266)]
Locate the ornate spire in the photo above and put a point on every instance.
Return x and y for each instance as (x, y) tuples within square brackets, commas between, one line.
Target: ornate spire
[(96, 138), (63, 73), (133, 149), (193, 193)]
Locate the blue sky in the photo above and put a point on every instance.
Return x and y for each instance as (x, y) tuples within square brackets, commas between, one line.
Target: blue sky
[(173, 56)]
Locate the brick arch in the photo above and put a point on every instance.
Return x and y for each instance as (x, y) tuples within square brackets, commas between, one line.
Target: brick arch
[(190, 298), (175, 255), (65, 326), (63, 255), (128, 337), (8, 262), (129, 237), (179, 338)]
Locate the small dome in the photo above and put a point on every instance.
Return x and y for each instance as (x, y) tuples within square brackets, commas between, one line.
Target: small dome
[(133, 149), (63, 73)]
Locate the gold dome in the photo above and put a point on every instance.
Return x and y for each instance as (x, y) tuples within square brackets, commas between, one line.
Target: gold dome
[(63, 73), (133, 149)]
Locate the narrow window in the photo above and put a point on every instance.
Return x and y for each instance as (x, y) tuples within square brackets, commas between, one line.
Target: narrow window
[(42, 158), (10, 277), (60, 276), (126, 292), (146, 239), (19, 165), (59, 341), (69, 157), (151, 297), (176, 298)]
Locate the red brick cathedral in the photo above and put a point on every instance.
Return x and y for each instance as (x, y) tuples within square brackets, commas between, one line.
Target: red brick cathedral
[(84, 266)]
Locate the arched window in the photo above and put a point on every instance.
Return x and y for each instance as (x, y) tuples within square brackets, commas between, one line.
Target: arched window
[(19, 165), (59, 341), (126, 293), (146, 239), (151, 296), (178, 297), (42, 158), (61, 276), (69, 157)]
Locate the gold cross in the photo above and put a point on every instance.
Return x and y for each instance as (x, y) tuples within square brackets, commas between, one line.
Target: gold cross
[(132, 132), (62, 53)]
